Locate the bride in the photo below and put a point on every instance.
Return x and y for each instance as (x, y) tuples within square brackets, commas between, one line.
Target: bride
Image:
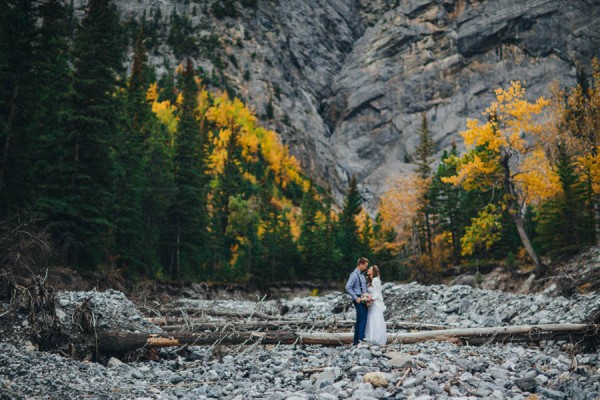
[(376, 329)]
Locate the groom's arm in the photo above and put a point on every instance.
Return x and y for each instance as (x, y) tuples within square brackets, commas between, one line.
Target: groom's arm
[(350, 286)]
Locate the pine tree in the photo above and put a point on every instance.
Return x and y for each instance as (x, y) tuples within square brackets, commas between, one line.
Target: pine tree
[(129, 232), (228, 183), (348, 236), (83, 226), (453, 206), (189, 217), (366, 238), (309, 237), (564, 222), (384, 249), (424, 153), (425, 149), (19, 104)]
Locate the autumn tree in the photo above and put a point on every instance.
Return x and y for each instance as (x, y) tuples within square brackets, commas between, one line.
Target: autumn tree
[(505, 153), (399, 208), (576, 126)]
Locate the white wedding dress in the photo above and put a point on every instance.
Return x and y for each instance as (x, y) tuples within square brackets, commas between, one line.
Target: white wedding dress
[(376, 329)]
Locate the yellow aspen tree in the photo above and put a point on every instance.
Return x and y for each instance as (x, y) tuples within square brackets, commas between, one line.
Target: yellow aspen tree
[(399, 208), (505, 153), (575, 125)]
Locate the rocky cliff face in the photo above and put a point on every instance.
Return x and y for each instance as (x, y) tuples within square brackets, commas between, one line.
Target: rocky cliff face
[(349, 80)]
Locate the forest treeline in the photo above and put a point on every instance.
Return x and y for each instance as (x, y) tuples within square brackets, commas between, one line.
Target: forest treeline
[(173, 178)]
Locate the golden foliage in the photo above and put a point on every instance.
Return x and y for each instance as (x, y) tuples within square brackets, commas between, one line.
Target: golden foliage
[(165, 112), (511, 137), (484, 230), (575, 125), (227, 115), (399, 206)]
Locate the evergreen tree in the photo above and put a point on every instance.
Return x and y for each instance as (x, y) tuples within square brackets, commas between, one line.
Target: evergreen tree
[(348, 237), (19, 104), (129, 232), (158, 197), (424, 153), (54, 77), (366, 238), (227, 184), (564, 223), (425, 149), (311, 239), (453, 205), (181, 36), (242, 230), (189, 217), (224, 8), (82, 224), (384, 250)]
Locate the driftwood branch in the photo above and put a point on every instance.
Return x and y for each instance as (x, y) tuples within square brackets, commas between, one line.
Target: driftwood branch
[(520, 333), (171, 324), (122, 341), (215, 313)]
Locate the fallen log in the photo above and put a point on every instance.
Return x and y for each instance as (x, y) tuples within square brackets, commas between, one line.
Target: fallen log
[(520, 333), (195, 325), (216, 313), (122, 341)]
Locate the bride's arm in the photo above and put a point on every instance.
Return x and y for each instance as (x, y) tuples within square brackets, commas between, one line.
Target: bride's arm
[(377, 295)]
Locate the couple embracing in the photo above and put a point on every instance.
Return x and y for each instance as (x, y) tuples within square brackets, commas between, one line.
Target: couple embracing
[(368, 302)]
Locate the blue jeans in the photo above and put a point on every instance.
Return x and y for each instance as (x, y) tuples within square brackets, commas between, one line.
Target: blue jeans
[(362, 312)]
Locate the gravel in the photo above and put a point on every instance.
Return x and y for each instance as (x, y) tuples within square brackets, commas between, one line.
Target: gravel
[(431, 370)]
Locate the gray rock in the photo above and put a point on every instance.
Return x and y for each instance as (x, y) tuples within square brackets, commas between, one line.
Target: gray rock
[(399, 360), (526, 384), (114, 363), (550, 393)]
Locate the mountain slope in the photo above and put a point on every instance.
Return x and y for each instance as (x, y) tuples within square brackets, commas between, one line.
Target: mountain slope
[(348, 80)]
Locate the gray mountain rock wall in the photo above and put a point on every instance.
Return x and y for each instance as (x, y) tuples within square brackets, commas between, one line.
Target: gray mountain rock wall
[(349, 80)]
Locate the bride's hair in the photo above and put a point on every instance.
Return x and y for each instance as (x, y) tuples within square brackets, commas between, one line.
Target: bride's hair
[(376, 274)]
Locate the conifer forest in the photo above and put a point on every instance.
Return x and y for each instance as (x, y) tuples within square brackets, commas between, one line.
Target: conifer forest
[(172, 176)]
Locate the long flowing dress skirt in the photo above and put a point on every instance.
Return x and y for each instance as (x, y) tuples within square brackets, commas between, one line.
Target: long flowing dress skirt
[(376, 329)]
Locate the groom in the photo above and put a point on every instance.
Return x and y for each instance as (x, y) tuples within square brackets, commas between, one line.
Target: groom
[(356, 287)]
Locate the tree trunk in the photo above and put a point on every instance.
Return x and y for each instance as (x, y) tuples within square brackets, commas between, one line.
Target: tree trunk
[(515, 214), (180, 324), (596, 202), (518, 220), (123, 341), (9, 131), (196, 311)]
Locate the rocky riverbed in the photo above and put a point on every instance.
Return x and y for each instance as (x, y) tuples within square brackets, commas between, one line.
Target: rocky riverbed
[(431, 370)]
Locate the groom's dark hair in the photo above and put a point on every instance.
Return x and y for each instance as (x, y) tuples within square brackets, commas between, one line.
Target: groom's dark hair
[(362, 260)]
